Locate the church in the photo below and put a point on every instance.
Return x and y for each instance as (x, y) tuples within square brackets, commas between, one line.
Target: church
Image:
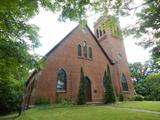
[(81, 48)]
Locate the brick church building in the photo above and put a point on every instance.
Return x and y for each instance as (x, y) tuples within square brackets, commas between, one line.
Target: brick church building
[(60, 76)]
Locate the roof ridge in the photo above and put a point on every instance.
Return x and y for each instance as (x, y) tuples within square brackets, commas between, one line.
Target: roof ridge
[(48, 53), (107, 56), (57, 45)]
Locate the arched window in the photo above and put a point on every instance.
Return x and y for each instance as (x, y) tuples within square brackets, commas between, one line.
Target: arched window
[(107, 78), (85, 49), (61, 80), (124, 82), (97, 33), (104, 29), (90, 52), (79, 50), (100, 32), (104, 80)]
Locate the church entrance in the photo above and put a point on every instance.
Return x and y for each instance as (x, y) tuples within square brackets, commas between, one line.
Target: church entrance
[(88, 89)]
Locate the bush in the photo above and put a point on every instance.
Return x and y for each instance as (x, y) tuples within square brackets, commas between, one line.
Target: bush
[(138, 98), (42, 101), (66, 102), (10, 95), (109, 96), (149, 98), (58, 100), (150, 87), (121, 97), (81, 93)]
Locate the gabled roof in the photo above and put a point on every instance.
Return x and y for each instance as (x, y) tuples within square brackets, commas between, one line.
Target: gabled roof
[(61, 41), (52, 50), (106, 55), (109, 59)]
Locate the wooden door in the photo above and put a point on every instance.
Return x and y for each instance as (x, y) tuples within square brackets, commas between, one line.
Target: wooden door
[(88, 89)]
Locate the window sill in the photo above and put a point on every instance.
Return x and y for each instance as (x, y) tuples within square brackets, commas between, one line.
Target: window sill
[(85, 58), (125, 92), (61, 91)]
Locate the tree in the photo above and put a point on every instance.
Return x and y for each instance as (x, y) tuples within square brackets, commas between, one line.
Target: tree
[(18, 39), (10, 95), (146, 84), (81, 92), (151, 87), (147, 28), (109, 96), (77, 10), (136, 71), (139, 72), (156, 58)]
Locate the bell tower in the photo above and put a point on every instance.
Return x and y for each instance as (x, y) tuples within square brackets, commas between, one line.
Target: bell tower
[(114, 47)]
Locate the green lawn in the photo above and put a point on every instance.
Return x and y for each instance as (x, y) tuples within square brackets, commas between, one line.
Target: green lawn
[(82, 113), (147, 105)]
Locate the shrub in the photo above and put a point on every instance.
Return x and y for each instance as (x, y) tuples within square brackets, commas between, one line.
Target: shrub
[(109, 96), (81, 93), (58, 99), (128, 98), (63, 102), (66, 102), (121, 97), (138, 98), (42, 101), (150, 87), (10, 95), (149, 98)]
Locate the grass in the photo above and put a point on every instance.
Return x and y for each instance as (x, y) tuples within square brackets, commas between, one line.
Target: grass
[(146, 105), (81, 113)]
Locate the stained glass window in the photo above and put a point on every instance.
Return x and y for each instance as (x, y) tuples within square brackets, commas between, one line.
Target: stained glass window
[(97, 33), (85, 49), (90, 52), (61, 80), (124, 82), (79, 50)]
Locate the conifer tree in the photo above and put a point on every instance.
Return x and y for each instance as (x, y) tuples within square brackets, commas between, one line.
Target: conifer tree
[(81, 93), (109, 96)]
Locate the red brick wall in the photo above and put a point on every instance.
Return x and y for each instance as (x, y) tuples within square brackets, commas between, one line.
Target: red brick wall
[(65, 56), (113, 46)]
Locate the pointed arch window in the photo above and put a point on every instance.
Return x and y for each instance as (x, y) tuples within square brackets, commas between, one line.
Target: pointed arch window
[(104, 75), (90, 52), (107, 78), (85, 49), (97, 31), (79, 50), (100, 32), (61, 80), (104, 29), (124, 83)]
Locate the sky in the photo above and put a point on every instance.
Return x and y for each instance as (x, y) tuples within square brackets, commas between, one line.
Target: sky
[(52, 31)]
